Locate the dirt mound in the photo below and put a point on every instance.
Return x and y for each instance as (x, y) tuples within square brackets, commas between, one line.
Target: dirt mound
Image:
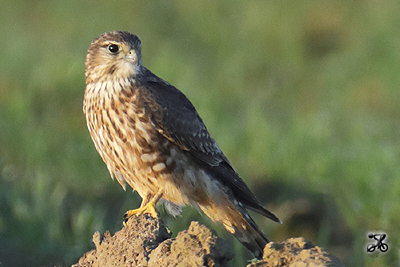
[(296, 252), (145, 241)]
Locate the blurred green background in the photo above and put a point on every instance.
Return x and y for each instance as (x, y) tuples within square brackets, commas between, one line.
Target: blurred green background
[(303, 97)]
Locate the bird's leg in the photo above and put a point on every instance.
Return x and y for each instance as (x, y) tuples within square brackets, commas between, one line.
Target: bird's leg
[(147, 206)]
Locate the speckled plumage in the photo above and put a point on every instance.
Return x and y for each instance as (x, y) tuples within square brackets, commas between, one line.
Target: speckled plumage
[(151, 137)]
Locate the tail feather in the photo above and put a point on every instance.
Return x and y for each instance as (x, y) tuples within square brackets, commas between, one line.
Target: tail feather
[(253, 239), (264, 212), (249, 234), (239, 223), (236, 219)]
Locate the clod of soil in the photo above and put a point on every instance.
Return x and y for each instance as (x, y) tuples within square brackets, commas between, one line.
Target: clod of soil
[(296, 252), (145, 241)]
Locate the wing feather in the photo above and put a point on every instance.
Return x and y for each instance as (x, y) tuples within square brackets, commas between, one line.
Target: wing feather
[(182, 125)]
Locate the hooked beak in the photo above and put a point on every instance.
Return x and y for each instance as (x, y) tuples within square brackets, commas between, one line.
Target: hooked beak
[(132, 56)]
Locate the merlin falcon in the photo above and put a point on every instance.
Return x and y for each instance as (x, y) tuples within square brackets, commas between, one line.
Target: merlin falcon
[(151, 137)]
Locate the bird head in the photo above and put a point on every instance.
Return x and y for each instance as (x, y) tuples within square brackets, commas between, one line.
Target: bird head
[(112, 56)]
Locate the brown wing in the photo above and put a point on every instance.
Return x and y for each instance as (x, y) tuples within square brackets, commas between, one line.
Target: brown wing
[(182, 124)]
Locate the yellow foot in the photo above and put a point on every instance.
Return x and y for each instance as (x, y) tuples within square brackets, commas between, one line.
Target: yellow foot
[(149, 208)]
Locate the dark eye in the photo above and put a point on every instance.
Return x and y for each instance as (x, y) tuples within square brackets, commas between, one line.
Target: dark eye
[(113, 48)]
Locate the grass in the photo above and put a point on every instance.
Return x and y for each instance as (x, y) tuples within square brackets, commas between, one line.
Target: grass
[(303, 95)]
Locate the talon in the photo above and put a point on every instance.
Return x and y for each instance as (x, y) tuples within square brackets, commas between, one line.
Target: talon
[(148, 208)]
